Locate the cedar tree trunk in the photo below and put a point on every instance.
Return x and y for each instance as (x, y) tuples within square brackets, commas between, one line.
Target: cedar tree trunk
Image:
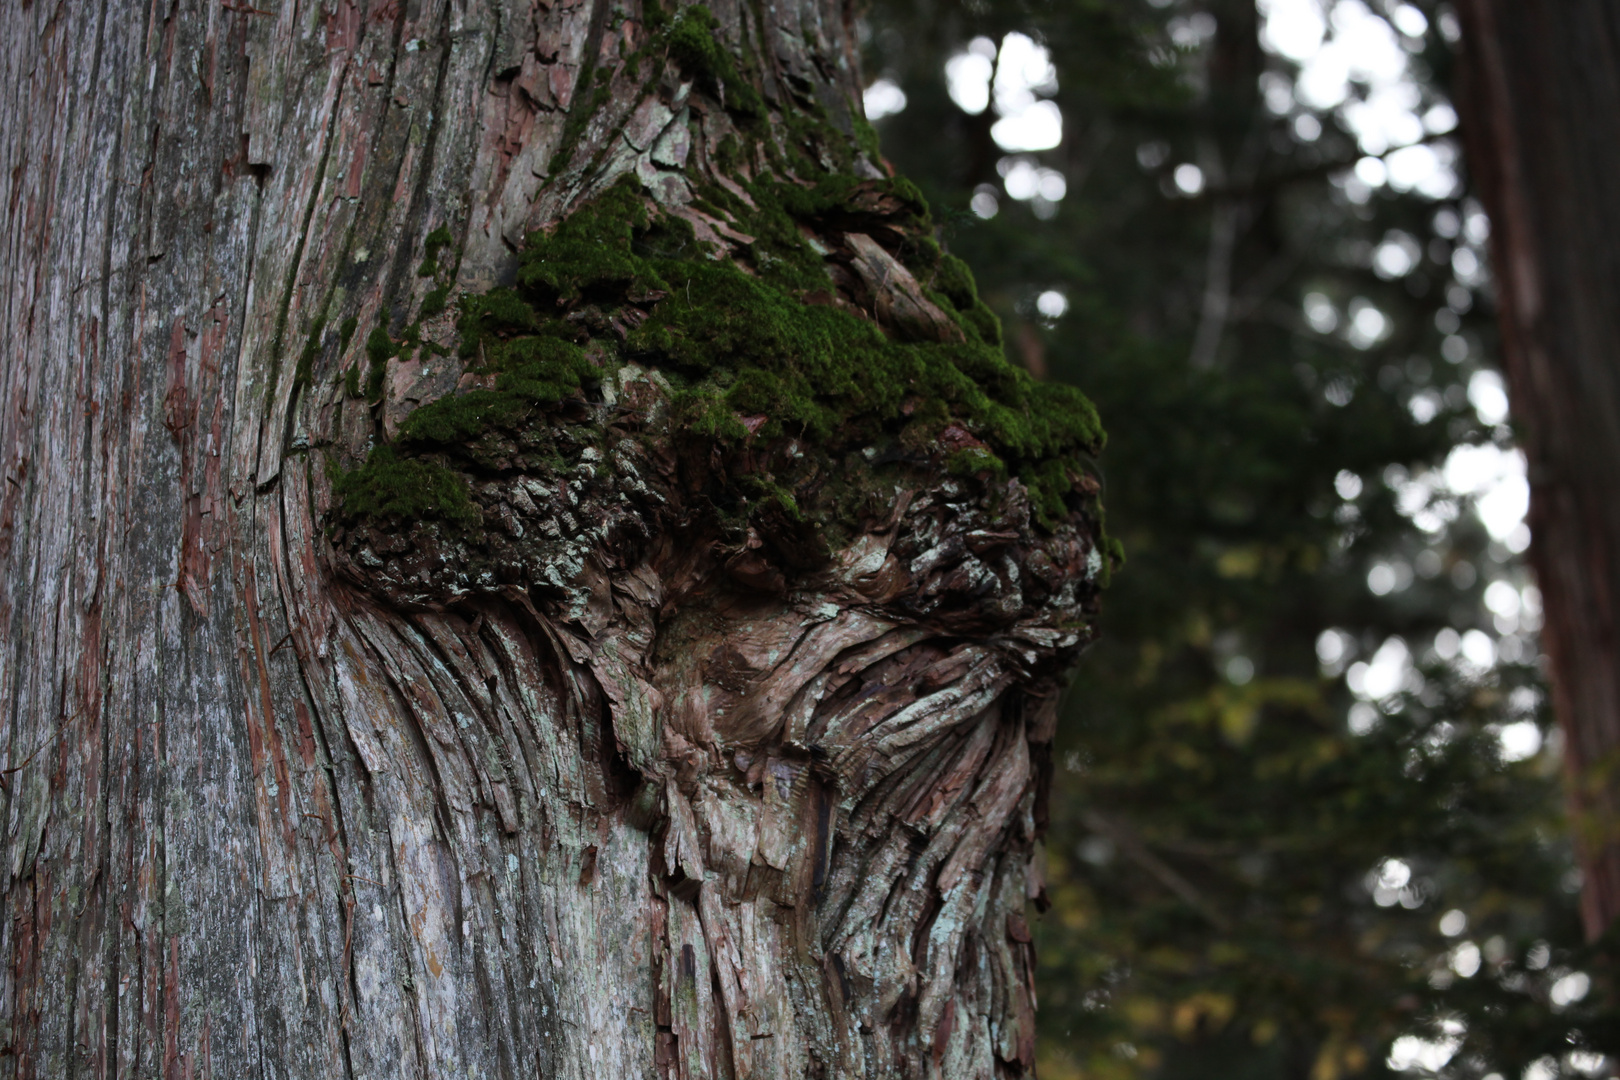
[(519, 555), (1541, 97)]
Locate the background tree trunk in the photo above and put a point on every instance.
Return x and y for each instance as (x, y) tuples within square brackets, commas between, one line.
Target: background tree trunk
[(280, 808), (1541, 96)]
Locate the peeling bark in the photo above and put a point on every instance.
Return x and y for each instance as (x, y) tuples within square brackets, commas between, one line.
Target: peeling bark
[(611, 791)]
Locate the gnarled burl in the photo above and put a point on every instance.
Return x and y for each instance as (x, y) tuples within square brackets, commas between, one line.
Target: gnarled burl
[(519, 555)]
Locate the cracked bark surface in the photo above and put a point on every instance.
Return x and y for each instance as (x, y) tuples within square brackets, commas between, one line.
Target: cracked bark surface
[(616, 787)]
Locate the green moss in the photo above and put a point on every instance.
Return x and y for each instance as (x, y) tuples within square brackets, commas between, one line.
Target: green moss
[(952, 288), (312, 351), (982, 322), (534, 372), (379, 348), (954, 280), (388, 487), (742, 344), (498, 314), (804, 136), (866, 137), (436, 241), (590, 252), (801, 365), (975, 460), (837, 202), (747, 345), (766, 494), (760, 340), (1047, 482), (693, 42), (434, 302), (346, 333), (780, 252), (582, 108), (704, 412), (729, 155)]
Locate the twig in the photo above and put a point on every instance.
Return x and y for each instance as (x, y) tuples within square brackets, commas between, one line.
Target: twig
[(52, 737)]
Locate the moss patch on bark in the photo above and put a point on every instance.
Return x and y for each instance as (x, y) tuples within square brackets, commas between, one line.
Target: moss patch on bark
[(408, 488), (776, 343), (761, 340)]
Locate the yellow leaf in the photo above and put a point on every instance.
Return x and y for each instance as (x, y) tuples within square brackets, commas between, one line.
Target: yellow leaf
[(1145, 1014), (1208, 1008), (1238, 721), (1327, 1065), (1238, 562)]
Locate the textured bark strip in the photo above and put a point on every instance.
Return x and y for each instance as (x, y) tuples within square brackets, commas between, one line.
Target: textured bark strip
[(1542, 101), (277, 803)]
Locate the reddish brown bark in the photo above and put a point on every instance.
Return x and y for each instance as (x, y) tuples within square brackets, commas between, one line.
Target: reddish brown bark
[(1541, 98)]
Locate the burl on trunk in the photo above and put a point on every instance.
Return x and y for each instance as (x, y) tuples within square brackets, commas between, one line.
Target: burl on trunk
[(521, 556)]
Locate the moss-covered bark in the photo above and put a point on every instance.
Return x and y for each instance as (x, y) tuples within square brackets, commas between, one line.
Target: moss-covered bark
[(619, 584)]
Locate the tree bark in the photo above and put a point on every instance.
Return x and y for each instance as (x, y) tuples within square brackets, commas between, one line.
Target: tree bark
[(1541, 97), (623, 788)]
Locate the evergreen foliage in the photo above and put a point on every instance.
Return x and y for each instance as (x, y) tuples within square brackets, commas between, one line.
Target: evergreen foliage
[(1258, 867)]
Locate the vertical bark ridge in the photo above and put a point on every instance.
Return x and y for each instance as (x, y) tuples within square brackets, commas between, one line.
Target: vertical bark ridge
[(1539, 85)]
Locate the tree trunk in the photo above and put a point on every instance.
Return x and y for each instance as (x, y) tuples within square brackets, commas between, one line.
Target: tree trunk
[(1541, 98), (612, 725)]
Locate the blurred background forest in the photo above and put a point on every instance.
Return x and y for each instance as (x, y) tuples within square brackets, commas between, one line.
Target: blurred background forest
[(1305, 820)]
